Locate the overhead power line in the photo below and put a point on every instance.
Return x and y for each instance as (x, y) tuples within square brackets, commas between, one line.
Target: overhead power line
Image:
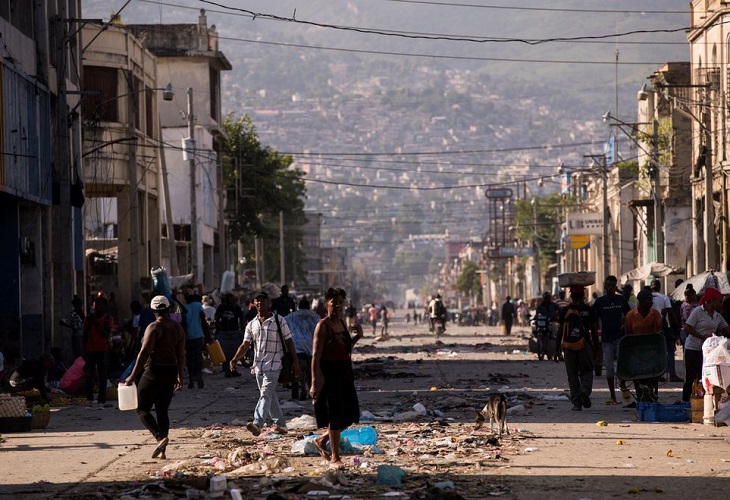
[(541, 9), (425, 36)]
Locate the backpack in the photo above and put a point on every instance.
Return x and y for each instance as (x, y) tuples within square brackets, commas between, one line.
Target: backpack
[(573, 330)]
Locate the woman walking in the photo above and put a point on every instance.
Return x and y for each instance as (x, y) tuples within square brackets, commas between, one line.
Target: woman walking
[(162, 357), (333, 385)]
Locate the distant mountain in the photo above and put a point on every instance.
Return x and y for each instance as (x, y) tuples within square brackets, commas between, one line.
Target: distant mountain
[(388, 123)]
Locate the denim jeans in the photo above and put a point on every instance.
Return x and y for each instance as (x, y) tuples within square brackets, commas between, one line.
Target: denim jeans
[(268, 403)]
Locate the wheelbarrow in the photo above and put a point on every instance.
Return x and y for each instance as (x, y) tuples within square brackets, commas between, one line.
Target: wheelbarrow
[(642, 358)]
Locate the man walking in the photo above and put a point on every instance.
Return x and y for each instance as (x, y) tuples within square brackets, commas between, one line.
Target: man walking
[(611, 309), (267, 331), (580, 338), (509, 313)]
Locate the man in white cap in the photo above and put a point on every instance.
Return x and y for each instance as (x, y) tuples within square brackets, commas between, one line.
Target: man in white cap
[(162, 357)]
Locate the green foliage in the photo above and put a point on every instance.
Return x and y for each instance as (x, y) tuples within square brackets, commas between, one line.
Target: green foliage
[(468, 281), (261, 183), (539, 222)]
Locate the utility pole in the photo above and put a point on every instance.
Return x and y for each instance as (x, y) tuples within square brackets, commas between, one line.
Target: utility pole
[(606, 246), (710, 239), (133, 218), (658, 219), (193, 194), (282, 271)]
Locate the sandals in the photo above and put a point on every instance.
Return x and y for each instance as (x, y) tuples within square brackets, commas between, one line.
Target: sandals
[(161, 447), (611, 402)]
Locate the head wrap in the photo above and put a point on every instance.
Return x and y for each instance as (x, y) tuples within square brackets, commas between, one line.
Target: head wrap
[(710, 294)]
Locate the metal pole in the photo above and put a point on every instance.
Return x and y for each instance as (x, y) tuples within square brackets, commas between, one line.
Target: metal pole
[(172, 247), (134, 236), (282, 273), (193, 194), (658, 221), (606, 246), (710, 238)]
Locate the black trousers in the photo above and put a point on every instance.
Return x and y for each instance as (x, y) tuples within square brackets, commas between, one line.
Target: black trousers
[(96, 362), (194, 358), (693, 371), (156, 388)]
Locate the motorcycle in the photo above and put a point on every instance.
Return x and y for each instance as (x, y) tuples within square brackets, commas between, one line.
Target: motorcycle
[(439, 326), (544, 332)]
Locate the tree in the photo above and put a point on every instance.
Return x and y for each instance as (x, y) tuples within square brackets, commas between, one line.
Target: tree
[(469, 282), (261, 183)]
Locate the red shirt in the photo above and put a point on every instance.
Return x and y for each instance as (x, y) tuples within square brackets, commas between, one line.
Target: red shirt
[(98, 330), (636, 323)]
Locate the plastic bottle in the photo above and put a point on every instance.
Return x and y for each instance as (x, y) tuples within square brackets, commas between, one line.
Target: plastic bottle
[(127, 396), (361, 435)]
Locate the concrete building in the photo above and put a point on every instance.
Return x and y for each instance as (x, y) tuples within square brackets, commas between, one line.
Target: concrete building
[(41, 253), (121, 159), (706, 102), (192, 136)]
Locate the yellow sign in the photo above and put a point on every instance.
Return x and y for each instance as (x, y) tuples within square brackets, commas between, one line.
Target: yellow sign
[(579, 241)]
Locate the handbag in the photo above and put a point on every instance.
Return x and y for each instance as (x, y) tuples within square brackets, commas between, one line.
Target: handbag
[(285, 375)]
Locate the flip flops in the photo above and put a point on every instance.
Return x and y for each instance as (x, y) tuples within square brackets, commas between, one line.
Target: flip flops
[(161, 447), (611, 402)]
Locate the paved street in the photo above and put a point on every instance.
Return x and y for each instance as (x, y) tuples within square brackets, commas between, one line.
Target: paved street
[(551, 451)]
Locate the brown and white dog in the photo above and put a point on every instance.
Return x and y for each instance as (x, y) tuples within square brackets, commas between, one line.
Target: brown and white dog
[(496, 411)]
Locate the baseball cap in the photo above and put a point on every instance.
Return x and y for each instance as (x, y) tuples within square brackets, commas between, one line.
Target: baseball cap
[(159, 303), (261, 295)]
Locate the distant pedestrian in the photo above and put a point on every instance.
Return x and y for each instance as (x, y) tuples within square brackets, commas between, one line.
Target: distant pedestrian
[(302, 323), (373, 316), (509, 313), (230, 322), (162, 357), (75, 321), (98, 328), (283, 304), (385, 316), (196, 334)]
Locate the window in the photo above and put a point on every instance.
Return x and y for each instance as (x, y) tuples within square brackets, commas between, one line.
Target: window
[(104, 106)]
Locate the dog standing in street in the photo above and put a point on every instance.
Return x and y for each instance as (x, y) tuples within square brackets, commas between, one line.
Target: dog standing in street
[(496, 411)]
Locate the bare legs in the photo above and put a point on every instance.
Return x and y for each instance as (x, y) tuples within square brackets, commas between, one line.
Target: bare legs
[(333, 436)]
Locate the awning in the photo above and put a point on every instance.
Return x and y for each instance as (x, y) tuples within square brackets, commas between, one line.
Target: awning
[(656, 269)]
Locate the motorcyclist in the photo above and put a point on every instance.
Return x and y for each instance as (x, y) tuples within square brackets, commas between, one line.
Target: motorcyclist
[(546, 312), (437, 312)]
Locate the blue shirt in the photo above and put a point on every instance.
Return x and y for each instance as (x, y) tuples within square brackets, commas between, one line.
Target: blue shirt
[(191, 321)]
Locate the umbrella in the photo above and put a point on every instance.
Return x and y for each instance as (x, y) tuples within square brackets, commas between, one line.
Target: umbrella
[(708, 279)]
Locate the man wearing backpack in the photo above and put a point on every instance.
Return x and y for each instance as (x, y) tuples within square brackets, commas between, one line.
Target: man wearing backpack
[(580, 341)]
